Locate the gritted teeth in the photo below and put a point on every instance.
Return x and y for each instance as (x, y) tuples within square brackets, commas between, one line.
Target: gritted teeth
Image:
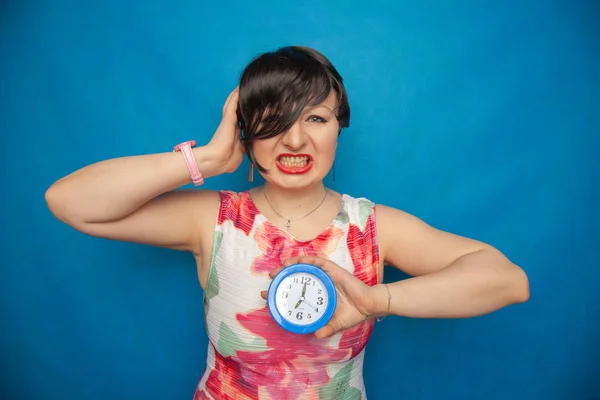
[(294, 161)]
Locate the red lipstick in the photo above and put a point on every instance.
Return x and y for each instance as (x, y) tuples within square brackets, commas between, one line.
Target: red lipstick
[(290, 168)]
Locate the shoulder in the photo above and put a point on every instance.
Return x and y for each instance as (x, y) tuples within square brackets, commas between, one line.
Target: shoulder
[(212, 208), (237, 207), (365, 207), (229, 199), (389, 214), (203, 204), (392, 221), (361, 202), (387, 221), (228, 196), (360, 210)]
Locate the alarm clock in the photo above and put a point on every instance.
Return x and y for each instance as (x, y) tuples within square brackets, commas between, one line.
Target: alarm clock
[(301, 298)]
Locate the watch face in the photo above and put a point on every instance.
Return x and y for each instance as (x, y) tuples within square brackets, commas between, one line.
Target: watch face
[(301, 298)]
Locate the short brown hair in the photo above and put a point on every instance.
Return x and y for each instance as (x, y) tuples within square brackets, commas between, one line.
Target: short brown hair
[(276, 86)]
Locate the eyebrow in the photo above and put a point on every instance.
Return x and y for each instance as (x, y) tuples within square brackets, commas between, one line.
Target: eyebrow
[(319, 106)]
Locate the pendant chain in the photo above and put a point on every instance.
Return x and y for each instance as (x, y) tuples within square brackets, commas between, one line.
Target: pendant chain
[(288, 223)]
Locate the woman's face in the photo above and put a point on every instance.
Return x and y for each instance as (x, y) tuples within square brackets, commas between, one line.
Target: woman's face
[(304, 154)]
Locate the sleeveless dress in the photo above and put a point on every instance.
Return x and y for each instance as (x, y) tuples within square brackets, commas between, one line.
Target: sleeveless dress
[(249, 356)]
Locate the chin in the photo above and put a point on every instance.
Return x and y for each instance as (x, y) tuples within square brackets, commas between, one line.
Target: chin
[(293, 182)]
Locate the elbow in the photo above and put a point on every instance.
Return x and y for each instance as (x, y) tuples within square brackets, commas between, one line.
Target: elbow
[(519, 286), (55, 200), (513, 283), (52, 199)]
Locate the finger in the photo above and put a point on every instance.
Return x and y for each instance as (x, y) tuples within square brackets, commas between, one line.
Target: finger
[(275, 272), (325, 332), (263, 294), (305, 260), (226, 102), (230, 107), (328, 266), (229, 96), (334, 326)]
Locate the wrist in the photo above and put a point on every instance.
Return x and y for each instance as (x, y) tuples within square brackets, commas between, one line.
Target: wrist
[(206, 161), (381, 301)]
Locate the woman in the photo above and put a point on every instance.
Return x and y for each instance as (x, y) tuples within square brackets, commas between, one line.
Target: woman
[(291, 106)]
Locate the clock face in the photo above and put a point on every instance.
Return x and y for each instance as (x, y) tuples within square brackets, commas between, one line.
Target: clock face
[(301, 298)]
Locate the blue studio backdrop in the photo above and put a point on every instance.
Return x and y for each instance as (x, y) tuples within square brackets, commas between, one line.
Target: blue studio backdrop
[(480, 117)]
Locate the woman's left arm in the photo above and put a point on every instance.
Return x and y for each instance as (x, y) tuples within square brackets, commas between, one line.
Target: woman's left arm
[(451, 276)]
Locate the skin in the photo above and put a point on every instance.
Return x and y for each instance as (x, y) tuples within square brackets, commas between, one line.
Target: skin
[(316, 134), (132, 199)]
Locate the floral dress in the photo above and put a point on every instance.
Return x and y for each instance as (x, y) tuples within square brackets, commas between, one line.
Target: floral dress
[(249, 355)]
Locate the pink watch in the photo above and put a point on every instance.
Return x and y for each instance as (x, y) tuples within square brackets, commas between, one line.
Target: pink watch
[(190, 160)]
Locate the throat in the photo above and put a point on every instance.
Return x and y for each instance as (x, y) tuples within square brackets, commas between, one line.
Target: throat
[(289, 208)]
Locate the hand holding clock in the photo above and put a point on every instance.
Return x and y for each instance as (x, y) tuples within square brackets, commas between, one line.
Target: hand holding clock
[(356, 301)]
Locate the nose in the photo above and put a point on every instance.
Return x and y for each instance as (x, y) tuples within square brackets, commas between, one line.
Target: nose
[(295, 138)]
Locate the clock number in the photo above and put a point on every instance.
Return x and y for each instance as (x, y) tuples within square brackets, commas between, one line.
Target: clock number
[(284, 295), (299, 315), (296, 280), (308, 316), (306, 279), (289, 312), (316, 310), (288, 286), (320, 301), (320, 291)]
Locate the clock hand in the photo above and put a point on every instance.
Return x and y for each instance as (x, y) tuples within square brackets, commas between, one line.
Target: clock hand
[(301, 297), (313, 307)]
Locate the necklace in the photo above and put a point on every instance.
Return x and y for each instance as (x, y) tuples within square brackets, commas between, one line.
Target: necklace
[(288, 223)]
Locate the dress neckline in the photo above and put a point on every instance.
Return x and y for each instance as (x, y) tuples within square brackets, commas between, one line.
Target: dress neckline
[(323, 232)]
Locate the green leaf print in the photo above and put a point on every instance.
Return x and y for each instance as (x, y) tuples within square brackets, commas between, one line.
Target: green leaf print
[(212, 286), (343, 217), (229, 342), (339, 387), (365, 207)]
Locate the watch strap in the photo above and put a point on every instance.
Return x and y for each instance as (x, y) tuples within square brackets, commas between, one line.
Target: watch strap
[(188, 155)]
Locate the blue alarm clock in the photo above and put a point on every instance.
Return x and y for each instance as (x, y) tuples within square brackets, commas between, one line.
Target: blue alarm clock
[(301, 298)]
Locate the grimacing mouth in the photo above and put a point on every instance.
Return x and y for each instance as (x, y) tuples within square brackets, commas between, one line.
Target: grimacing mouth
[(294, 161)]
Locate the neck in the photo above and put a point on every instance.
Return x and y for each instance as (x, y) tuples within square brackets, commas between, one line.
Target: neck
[(290, 203)]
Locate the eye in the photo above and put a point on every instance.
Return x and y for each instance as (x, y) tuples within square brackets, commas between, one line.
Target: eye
[(316, 118)]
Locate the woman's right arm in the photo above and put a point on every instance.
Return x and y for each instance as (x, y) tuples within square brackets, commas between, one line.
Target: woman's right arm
[(133, 198)]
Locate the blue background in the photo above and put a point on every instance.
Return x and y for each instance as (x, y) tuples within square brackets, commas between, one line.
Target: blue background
[(480, 117)]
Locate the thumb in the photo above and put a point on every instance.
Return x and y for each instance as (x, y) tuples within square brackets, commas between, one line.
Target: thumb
[(325, 332), (333, 326)]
